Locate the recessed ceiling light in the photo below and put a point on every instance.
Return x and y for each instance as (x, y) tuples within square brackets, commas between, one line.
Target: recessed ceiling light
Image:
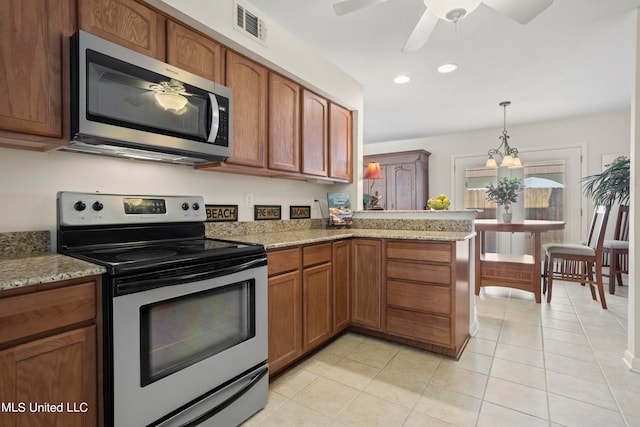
[(401, 79), (447, 68)]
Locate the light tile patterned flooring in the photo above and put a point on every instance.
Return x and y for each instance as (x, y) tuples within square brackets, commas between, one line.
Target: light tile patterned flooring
[(557, 364)]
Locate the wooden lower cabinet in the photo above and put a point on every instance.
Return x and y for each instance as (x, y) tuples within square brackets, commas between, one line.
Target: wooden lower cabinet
[(366, 286), (285, 308), (317, 312), (427, 293), (58, 370), (49, 356), (409, 291), (341, 270)]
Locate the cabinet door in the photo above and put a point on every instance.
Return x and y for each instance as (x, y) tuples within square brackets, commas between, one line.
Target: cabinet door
[(285, 319), (366, 294), (127, 23), (60, 368), (314, 134), (34, 42), (401, 187), (317, 312), (341, 268), (284, 124), (195, 53), (248, 81), (340, 146)]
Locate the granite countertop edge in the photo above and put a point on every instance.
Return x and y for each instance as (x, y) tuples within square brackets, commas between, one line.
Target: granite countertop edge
[(305, 237), (17, 272), (45, 268)]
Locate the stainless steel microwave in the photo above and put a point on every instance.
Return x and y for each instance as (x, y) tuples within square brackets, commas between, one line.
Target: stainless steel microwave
[(126, 104)]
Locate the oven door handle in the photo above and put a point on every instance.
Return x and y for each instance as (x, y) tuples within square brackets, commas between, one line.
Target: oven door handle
[(129, 287), (209, 413)]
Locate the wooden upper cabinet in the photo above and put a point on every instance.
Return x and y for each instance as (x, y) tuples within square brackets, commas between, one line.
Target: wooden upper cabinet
[(284, 124), (34, 53), (340, 146), (194, 52), (125, 22), (315, 117), (249, 83)]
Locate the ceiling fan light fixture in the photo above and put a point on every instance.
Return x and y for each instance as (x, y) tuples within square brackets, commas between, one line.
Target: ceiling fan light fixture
[(451, 10), (171, 101)]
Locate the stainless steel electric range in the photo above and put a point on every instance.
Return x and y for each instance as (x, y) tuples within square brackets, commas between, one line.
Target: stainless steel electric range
[(185, 316)]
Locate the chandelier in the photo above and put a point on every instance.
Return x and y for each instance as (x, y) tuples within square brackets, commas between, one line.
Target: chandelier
[(509, 155)]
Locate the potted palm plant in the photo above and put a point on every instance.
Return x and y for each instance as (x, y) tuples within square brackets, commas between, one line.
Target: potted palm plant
[(611, 185), (504, 193)]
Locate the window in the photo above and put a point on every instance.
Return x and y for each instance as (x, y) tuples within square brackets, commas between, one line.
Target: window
[(544, 197)]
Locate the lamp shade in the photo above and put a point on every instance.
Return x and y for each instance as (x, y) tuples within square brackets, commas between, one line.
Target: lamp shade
[(373, 171)]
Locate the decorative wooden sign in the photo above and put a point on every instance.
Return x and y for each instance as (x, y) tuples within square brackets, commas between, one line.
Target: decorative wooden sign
[(221, 213), (267, 212), (299, 212)]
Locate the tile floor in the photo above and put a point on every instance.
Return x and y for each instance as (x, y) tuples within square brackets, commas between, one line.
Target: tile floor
[(557, 364)]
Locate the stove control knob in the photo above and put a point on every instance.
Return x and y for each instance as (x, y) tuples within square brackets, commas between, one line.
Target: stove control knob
[(79, 206), (185, 206), (97, 206), (196, 206)]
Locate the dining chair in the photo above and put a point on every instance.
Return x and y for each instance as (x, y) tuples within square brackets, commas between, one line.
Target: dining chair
[(577, 262), (616, 250)]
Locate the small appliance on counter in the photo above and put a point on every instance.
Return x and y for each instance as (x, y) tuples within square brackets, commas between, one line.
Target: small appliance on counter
[(185, 316)]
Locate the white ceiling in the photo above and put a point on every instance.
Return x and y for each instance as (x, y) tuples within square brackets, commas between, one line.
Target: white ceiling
[(575, 58)]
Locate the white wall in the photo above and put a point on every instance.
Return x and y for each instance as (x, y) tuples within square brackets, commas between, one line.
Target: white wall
[(29, 182), (605, 133)]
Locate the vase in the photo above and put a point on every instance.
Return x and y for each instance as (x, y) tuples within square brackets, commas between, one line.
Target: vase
[(506, 217)]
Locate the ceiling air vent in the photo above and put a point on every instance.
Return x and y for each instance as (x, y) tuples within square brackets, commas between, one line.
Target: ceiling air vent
[(250, 25)]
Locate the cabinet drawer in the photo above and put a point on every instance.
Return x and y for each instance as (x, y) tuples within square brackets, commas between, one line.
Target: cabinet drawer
[(415, 296), (420, 251), (26, 315), (283, 261), (316, 254), (439, 274), (422, 326)]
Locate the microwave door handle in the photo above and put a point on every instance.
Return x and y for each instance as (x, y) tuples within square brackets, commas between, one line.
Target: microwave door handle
[(215, 118)]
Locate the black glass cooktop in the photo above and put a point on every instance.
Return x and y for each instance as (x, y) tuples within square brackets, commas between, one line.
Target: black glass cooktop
[(159, 254)]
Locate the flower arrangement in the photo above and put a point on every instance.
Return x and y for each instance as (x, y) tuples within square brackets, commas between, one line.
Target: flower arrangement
[(505, 193)]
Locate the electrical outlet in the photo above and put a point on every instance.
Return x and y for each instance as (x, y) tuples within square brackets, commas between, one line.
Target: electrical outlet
[(248, 199)]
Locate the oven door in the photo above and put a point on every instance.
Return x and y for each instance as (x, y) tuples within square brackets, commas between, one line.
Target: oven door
[(175, 344)]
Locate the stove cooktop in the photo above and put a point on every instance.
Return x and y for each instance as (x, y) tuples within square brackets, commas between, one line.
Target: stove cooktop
[(120, 258)]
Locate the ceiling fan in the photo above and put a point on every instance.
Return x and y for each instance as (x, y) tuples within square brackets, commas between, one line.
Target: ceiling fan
[(521, 11), (170, 95)]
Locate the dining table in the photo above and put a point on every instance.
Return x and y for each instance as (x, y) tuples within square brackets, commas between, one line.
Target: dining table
[(506, 270)]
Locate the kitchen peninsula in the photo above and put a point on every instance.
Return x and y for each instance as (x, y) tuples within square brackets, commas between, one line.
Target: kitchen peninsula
[(397, 275)]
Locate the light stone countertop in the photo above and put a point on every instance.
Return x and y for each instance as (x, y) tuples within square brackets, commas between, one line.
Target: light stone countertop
[(305, 237), (17, 272), (46, 268)]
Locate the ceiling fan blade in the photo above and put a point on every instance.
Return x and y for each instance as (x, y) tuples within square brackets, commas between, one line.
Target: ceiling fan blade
[(421, 32), (518, 10), (125, 80), (348, 6)]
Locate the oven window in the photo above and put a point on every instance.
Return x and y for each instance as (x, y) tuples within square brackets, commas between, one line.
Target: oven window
[(179, 332)]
